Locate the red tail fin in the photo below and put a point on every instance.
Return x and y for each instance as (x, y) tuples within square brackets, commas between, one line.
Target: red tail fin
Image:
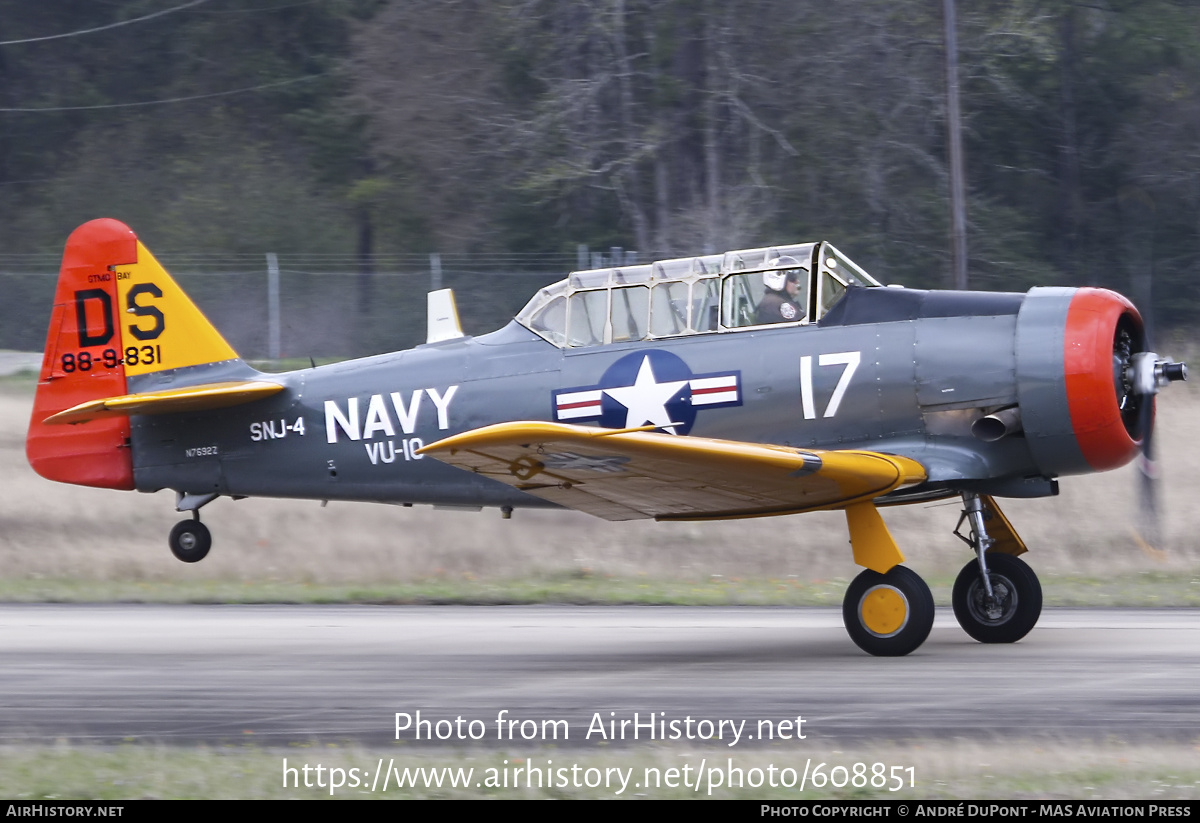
[(83, 361)]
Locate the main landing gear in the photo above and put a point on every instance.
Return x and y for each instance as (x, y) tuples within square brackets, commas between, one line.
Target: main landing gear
[(997, 597), (190, 540), (888, 613)]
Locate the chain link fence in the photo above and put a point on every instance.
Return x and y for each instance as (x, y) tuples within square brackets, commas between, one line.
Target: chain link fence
[(329, 306)]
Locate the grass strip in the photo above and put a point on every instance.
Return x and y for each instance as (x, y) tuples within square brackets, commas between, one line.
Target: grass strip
[(1134, 589)]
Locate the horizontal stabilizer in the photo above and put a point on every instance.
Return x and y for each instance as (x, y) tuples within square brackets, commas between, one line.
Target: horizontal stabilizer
[(189, 398)]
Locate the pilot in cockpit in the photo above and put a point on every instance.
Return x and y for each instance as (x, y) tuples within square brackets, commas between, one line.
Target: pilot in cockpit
[(786, 295)]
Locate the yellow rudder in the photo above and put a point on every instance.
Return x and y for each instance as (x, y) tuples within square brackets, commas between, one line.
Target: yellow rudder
[(162, 328)]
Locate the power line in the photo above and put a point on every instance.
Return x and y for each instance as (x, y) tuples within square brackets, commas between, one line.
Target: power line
[(263, 8), (170, 100), (101, 28)]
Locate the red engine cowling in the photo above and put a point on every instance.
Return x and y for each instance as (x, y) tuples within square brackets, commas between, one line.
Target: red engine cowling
[(1074, 379), (1103, 332)]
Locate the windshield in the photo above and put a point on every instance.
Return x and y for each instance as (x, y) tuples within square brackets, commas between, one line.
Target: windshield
[(773, 285)]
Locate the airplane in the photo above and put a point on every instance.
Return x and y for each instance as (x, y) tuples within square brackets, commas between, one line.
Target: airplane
[(753, 383)]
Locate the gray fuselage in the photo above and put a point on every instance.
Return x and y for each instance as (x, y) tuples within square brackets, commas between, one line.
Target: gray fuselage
[(892, 370)]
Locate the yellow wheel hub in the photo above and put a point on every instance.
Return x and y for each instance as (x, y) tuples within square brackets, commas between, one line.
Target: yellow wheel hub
[(883, 610)]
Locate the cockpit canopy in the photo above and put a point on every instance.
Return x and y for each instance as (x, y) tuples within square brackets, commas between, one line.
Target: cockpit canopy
[(690, 295)]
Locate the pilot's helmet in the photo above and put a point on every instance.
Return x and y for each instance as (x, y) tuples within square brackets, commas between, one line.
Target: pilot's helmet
[(784, 269)]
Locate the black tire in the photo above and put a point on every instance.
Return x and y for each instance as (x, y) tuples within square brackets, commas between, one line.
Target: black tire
[(888, 615), (1018, 600), (190, 541)]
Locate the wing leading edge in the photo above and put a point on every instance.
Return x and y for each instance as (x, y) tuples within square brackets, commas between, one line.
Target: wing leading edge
[(632, 474)]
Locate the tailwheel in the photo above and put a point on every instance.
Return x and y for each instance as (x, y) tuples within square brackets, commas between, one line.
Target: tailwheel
[(888, 615), (1012, 610), (190, 541)]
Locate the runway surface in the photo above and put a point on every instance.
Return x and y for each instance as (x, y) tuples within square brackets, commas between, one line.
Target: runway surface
[(277, 675)]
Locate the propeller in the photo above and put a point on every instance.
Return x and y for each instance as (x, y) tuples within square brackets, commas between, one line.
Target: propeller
[(1144, 374)]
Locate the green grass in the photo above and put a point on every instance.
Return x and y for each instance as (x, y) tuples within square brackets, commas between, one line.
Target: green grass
[(1134, 589), (19, 384)]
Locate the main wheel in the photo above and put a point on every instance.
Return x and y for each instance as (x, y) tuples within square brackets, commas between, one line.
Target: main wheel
[(190, 541), (888, 615), (1016, 605)]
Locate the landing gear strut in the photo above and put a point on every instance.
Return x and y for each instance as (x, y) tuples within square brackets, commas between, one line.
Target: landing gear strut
[(190, 540), (997, 598)]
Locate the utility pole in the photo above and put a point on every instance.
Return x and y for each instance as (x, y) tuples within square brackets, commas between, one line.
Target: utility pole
[(958, 197), (273, 347), (435, 271)]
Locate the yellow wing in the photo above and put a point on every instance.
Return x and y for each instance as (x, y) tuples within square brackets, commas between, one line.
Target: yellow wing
[(629, 474)]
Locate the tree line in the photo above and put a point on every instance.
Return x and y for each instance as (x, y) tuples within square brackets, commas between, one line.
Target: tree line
[(364, 128)]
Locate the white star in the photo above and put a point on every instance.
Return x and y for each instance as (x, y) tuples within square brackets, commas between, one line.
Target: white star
[(646, 400)]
